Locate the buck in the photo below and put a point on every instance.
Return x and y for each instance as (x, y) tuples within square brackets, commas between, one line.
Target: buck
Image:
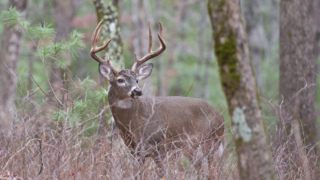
[(151, 126)]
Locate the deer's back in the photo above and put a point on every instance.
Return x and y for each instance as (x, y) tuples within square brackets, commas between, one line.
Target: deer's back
[(179, 117)]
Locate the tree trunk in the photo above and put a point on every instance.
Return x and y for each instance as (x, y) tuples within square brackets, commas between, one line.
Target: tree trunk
[(208, 60), (32, 59), (239, 85), (298, 70), (64, 12), (9, 58), (140, 8), (173, 44), (251, 15), (139, 26), (159, 62), (202, 43), (108, 12)]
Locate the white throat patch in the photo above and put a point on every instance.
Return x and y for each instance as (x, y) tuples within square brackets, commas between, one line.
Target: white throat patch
[(124, 104)]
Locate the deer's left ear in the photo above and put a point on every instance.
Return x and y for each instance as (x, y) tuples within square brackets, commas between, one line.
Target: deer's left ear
[(144, 71), (105, 71)]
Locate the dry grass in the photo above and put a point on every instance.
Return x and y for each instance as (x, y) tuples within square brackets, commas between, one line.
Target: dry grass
[(70, 154), (38, 147)]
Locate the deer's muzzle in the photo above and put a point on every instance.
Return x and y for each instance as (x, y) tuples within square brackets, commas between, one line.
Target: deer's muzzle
[(136, 92)]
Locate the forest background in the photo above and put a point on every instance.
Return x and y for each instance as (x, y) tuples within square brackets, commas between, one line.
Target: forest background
[(188, 67)]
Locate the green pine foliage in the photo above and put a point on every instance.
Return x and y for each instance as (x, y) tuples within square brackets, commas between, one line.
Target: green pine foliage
[(78, 107), (14, 18), (42, 31)]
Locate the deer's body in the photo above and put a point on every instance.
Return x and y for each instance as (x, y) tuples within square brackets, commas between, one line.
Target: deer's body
[(151, 126), (166, 121)]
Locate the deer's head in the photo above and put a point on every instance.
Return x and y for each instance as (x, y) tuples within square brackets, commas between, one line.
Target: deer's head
[(125, 82)]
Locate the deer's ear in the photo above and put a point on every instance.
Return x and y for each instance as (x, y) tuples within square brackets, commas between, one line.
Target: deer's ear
[(105, 71), (144, 71)]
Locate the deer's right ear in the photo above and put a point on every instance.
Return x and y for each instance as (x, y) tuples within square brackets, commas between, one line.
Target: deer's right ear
[(144, 71), (105, 71)]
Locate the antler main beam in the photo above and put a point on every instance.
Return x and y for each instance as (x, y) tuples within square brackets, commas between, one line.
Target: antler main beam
[(94, 48), (151, 54)]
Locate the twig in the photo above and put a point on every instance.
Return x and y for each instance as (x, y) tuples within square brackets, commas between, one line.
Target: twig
[(80, 125), (16, 154), (190, 87), (40, 88), (40, 151)]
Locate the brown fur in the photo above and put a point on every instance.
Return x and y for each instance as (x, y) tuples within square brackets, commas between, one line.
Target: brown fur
[(152, 126)]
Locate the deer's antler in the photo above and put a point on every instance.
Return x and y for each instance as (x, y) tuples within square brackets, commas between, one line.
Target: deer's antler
[(151, 54), (94, 48)]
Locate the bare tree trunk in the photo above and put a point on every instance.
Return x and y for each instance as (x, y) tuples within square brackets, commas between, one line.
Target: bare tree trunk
[(180, 37), (239, 85), (159, 62), (64, 11), (298, 69), (141, 8), (137, 26), (32, 58), (252, 17), (206, 90), (202, 38), (9, 59), (316, 16), (173, 44)]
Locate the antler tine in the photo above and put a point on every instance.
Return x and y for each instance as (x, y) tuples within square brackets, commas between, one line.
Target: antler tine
[(150, 39), (94, 47), (160, 32), (151, 54)]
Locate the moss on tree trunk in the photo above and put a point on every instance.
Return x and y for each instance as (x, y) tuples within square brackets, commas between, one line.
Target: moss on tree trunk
[(108, 12), (239, 85)]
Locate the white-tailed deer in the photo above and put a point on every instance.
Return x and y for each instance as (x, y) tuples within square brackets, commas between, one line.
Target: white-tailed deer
[(151, 126)]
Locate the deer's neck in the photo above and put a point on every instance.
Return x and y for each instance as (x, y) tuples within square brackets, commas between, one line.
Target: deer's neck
[(128, 115), (126, 110)]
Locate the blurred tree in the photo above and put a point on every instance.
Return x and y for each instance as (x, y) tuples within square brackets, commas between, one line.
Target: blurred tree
[(208, 59), (64, 12), (9, 58), (179, 11), (239, 85), (177, 53), (159, 62), (108, 12), (201, 55), (298, 70), (139, 26), (141, 8), (251, 14), (316, 16), (32, 59)]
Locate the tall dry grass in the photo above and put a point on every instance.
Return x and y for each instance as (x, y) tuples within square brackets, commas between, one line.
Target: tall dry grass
[(43, 145), (38, 148)]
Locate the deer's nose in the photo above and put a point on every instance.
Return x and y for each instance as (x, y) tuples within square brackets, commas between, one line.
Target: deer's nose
[(137, 91)]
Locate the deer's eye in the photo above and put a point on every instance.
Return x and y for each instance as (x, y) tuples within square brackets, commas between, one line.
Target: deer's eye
[(120, 80), (137, 81)]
